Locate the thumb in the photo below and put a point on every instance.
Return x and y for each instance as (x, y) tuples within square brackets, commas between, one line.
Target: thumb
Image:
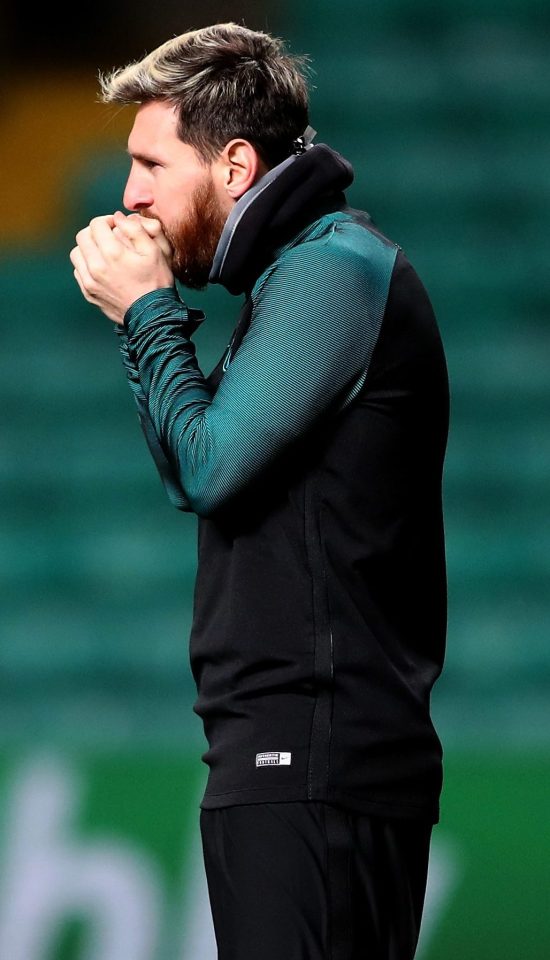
[(154, 229), (132, 228)]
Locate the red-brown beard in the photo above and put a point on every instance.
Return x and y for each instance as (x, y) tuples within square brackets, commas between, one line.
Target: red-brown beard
[(195, 237)]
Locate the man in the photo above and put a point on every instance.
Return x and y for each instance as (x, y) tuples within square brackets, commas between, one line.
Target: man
[(313, 456)]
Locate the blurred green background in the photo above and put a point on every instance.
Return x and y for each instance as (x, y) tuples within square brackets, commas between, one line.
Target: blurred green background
[(444, 111)]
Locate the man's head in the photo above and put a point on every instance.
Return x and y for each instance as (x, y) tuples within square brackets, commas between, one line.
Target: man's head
[(218, 107)]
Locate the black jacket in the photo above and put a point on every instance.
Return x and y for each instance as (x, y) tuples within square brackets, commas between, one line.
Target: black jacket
[(320, 601)]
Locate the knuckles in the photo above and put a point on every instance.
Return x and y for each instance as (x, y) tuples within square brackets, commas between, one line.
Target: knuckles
[(100, 221), (82, 236)]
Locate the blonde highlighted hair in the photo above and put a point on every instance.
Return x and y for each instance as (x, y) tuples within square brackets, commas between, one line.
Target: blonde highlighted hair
[(226, 81)]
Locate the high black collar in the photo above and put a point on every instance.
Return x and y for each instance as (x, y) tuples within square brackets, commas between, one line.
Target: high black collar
[(276, 208)]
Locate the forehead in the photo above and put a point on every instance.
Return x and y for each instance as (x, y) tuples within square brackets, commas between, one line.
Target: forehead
[(155, 127)]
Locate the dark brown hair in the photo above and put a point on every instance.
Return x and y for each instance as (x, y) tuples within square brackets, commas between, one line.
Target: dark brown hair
[(227, 81)]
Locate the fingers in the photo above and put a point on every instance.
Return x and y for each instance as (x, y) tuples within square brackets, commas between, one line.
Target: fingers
[(97, 244), (81, 271), (129, 231), (152, 227), (94, 245), (150, 224), (125, 241), (80, 282), (101, 232), (116, 261), (132, 228)]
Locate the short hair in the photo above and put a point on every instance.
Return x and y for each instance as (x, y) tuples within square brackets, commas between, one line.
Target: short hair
[(227, 81)]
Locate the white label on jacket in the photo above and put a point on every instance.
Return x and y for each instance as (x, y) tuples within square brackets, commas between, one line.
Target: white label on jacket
[(273, 759)]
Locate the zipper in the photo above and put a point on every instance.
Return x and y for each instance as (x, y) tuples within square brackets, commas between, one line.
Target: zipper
[(321, 727)]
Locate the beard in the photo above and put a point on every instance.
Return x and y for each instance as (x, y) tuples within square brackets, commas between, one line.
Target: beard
[(194, 238)]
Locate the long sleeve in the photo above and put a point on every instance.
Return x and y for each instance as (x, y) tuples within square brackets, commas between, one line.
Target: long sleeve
[(190, 321), (316, 316)]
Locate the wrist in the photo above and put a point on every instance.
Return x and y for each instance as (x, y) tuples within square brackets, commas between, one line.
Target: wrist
[(152, 304)]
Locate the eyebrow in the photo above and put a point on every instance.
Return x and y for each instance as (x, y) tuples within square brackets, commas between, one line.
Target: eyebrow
[(144, 157)]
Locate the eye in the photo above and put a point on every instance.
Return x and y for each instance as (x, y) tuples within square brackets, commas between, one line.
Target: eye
[(147, 163)]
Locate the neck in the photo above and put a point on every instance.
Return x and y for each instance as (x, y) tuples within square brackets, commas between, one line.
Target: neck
[(279, 205)]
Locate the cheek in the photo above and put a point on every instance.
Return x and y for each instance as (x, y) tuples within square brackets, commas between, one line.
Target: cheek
[(172, 198), (179, 200)]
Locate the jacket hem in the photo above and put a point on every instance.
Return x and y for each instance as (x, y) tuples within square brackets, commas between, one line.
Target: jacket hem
[(403, 809)]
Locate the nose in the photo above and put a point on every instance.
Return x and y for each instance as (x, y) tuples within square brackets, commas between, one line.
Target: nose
[(137, 194)]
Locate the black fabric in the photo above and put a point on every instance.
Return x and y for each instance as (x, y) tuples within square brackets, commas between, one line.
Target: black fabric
[(320, 599), (311, 881), (276, 208), (238, 333)]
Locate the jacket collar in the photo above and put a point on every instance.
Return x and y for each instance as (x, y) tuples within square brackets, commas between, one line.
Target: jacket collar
[(287, 198)]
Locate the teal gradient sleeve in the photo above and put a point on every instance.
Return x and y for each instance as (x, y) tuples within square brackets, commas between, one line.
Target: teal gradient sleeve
[(317, 311)]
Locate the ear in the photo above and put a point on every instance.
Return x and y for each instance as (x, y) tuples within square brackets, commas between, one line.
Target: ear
[(241, 167)]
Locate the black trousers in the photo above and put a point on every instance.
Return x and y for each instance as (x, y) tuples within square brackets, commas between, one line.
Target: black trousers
[(311, 881)]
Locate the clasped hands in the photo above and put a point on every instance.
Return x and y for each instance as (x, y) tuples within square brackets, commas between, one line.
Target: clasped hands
[(119, 258)]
